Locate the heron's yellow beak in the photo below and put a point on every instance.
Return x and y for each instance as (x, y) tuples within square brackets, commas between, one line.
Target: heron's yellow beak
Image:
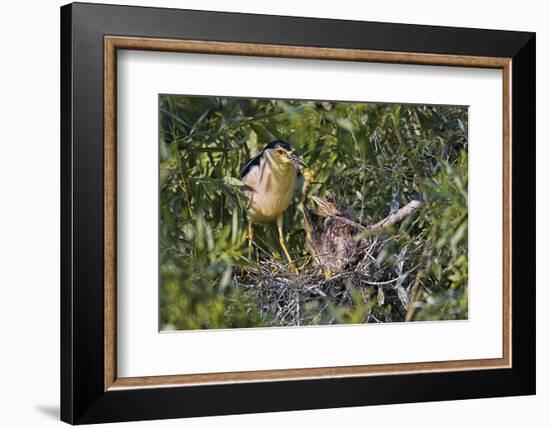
[(325, 207), (296, 160)]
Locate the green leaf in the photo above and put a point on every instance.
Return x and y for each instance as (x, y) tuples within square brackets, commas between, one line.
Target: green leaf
[(380, 296), (232, 181)]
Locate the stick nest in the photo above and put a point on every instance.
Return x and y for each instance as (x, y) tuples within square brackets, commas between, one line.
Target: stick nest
[(366, 291)]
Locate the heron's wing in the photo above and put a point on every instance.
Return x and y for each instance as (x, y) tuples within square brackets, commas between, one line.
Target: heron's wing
[(255, 161)]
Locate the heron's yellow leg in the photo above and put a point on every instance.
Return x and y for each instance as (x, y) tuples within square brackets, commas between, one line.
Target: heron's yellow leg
[(282, 242), (250, 239)]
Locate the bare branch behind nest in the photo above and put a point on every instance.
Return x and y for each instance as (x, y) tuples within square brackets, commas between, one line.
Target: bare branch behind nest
[(397, 216), (390, 220)]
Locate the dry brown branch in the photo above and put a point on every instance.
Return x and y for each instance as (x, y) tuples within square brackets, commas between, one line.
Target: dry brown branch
[(397, 216), (390, 220)]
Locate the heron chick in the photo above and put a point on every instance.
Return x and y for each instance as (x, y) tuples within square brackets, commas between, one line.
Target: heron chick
[(270, 180), (330, 232)]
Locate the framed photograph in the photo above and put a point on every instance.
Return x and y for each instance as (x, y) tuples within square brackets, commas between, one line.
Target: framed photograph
[(265, 213)]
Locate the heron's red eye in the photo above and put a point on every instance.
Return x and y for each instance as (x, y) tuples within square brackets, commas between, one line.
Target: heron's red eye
[(280, 151)]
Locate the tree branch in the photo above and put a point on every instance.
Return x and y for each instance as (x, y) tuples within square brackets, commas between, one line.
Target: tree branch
[(396, 217), (390, 220)]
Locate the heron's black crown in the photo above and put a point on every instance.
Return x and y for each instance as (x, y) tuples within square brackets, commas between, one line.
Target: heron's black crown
[(278, 143)]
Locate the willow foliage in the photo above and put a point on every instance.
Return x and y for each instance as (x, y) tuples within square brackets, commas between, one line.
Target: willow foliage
[(377, 157)]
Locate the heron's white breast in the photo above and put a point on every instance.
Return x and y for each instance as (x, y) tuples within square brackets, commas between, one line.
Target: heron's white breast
[(273, 183)]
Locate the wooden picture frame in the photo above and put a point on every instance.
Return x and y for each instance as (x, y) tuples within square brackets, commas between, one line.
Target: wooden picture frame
[(91, 390)]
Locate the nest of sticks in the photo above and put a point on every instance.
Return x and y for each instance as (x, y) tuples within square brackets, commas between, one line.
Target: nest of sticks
[(365, 291)]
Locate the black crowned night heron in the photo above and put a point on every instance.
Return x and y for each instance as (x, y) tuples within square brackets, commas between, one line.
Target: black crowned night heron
[(270, 179), (330, 232)]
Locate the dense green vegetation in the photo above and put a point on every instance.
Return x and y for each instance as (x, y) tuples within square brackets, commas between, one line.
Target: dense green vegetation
[(377, 157)]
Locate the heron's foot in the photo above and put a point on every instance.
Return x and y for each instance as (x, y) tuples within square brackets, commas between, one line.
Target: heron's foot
[(294, 268), (291, 264), (250, 237), (328, 274), (253, 254), (283, 244)]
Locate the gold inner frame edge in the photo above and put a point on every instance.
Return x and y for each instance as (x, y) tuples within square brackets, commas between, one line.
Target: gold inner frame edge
[(113, 43)]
